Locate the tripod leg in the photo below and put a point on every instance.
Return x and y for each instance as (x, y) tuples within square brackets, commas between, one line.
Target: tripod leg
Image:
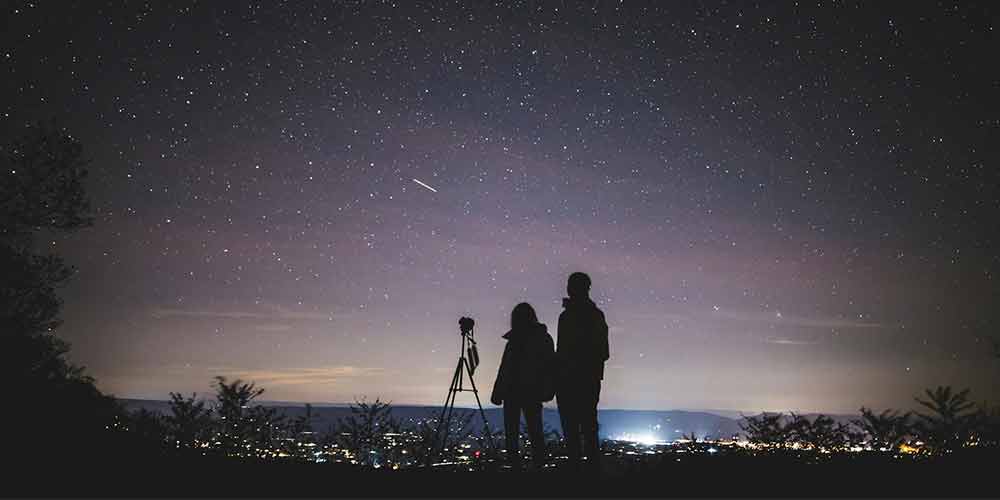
[(456, 388), (446, 411), (482, 413)]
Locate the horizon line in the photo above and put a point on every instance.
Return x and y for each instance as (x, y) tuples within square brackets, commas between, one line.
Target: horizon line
[(545, 406)]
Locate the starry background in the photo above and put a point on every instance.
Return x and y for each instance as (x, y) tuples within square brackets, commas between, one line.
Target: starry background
[(782, 206)]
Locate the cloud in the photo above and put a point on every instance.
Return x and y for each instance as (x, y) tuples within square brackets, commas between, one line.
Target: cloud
[(301, 376), (773, 318), (778, 319), (270, 312), (789, 341)]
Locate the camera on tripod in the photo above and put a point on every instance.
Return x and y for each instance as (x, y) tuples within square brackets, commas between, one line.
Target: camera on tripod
[(468, 360), (466, 324)]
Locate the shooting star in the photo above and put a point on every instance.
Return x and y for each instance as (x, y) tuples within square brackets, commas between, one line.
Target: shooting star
[(424, 185)]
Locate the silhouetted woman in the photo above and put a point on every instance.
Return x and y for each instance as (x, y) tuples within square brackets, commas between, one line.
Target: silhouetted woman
[(525, 380)]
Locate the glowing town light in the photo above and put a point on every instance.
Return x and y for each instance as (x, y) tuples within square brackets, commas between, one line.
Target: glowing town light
[(643, 439)]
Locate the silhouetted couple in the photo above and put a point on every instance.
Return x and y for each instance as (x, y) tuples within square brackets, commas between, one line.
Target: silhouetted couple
[(532, 372)]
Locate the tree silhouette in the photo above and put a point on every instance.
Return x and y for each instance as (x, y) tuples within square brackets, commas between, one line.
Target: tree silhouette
[(768, 430), (820, 434), (189, 422), (948, 425), (41, 190), (363, 433), (884, 431), (245, 430)]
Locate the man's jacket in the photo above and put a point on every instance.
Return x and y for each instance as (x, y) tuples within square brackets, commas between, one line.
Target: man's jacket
[(582, 341)]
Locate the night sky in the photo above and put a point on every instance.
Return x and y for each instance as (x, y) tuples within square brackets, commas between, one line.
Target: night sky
[(783, 206)]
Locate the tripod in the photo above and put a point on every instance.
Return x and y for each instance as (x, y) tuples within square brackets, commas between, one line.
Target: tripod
[(465, 366)]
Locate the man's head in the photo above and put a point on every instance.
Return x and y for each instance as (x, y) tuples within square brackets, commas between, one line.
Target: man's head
[(578, 285)]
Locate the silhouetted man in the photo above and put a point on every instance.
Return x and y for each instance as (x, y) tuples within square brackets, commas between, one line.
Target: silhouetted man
[(581, 350)]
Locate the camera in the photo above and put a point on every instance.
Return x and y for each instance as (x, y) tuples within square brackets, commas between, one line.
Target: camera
[(466, 324)]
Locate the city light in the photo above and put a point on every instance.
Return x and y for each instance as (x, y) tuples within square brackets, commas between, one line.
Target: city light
[(645, 439)]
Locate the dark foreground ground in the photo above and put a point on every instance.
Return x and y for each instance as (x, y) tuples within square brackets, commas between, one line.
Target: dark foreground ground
[(738, 476)]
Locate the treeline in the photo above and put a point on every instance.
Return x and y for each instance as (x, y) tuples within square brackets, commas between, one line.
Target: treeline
[(232, 426), (53, 406), (950, 422), (371, 437)]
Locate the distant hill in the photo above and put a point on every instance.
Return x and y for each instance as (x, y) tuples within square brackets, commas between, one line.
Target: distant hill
[(653, 425)]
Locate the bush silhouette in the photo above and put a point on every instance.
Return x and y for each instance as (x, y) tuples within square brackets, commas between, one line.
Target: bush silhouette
[(189, 423), (365, 433), (884, 431), (245, 430), (821, 433), (768, 431), (948, 426)]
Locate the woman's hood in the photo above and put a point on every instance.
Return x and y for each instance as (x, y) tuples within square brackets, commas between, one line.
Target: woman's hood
[(537, 329)]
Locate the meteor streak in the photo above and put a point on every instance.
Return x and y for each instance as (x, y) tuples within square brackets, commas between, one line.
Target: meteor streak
[(424, 185)]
